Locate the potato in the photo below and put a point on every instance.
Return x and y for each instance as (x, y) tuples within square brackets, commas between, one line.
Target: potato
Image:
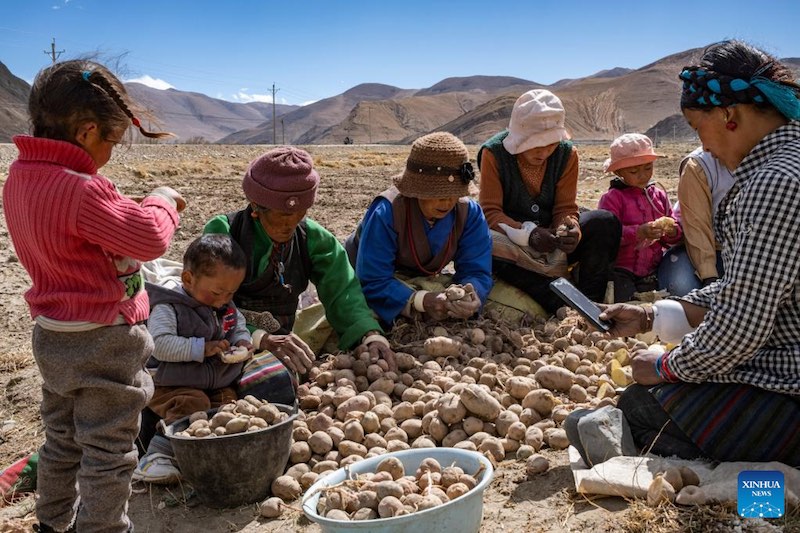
[(423, 442), (296, 471), (442, 346), (300, 452), (451, 409), (660, 491), (337, 514), (494, 447), (271, 507), (325, 466), (389, 507), (534, 437), (536, 464), (673, 477), (393, 466), (456, 490), (222, 419), (348, 448), (353, 430), (454, 437), (237, 425), (198, 415), (320, 442), (555, 378), (286, 488), (504, 421), (308, 479), (355, 403), (557, 439), (472, 425), (519, 386), (365, 514), (412, 427), (479, 402), (540, 400)]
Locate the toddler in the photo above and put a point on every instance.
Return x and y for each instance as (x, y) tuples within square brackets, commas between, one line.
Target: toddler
[(644, 211), (82, 244), (194, 325)]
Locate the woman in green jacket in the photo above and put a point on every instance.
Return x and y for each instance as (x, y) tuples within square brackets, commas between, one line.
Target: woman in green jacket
[(286, 251)]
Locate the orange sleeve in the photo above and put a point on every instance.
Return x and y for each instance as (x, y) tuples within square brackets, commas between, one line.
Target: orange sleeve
[(565, 206), (491, 194)]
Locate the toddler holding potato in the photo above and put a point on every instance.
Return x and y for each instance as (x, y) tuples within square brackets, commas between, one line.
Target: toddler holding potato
[(644, 211), (201, 343), (82, 243)]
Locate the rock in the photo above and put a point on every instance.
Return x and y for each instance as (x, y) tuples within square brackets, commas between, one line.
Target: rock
[(604, 433)]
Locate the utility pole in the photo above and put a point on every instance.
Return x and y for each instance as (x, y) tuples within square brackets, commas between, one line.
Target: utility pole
[(673, 133), (283, 132), (274, 136), (369, 122), (55, 55)]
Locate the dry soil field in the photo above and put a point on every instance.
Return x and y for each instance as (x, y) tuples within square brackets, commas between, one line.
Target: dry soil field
[(209, 177)]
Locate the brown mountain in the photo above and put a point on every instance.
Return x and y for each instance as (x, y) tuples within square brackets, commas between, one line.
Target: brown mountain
[(13, 105), (401, 120), (599, 107), (198, 117), (305, 124)]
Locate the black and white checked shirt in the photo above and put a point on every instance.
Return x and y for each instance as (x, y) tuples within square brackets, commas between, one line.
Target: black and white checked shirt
[(751, 332)]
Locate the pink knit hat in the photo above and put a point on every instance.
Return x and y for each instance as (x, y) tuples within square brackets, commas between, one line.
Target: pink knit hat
[(630, 150), (282, 179), (537, 120)]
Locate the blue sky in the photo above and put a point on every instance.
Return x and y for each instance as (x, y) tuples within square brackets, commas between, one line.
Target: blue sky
[(236, 50)]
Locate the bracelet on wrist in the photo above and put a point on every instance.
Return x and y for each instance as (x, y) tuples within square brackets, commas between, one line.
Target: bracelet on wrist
[(663, 370)]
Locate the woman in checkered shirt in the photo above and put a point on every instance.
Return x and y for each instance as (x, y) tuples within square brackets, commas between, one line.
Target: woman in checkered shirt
[(730, 389)]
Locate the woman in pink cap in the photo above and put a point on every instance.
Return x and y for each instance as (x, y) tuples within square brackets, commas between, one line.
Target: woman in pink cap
[(529, 185), (286, 251), (644, 211)]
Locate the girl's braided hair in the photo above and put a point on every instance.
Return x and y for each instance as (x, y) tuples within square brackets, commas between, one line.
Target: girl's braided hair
[(70, 93)]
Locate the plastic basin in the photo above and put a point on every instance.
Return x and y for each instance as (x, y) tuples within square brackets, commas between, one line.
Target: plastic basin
[(462, 515), (233, 470)]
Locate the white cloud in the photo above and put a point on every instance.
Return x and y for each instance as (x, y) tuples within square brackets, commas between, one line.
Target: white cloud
[(308, 102), (55, 7), (243, 97), (155, 83)]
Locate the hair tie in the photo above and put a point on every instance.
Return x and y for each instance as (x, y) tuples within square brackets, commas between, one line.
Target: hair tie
[(136, 122), (86, 75)]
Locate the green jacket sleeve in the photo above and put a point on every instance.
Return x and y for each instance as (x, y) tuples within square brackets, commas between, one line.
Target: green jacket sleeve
[(218, 224), (338, 288)]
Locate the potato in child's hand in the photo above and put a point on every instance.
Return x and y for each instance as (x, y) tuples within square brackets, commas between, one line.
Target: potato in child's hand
[(664, 223), (236, 354)]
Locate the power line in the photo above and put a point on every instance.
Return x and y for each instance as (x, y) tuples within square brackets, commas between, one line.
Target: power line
[(55, 55)]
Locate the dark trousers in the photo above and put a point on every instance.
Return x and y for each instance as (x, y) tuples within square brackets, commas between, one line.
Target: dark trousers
[(652, 428), (626, 283), (601, 233)]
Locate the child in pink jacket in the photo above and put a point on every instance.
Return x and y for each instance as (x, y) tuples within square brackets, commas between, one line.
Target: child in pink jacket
[(644, 211)]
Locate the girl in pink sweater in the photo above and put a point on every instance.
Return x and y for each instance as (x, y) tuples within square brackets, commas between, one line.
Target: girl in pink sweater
[(644, 211), (82, 243)]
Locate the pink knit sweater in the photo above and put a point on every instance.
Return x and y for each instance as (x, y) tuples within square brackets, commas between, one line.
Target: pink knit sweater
[(79, 239)]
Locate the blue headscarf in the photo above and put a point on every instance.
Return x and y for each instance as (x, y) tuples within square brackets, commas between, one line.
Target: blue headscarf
[(703, 88)]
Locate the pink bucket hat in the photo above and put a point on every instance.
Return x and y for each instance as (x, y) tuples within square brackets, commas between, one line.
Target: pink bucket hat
[(630, 150), (282, 179), (537, 119)]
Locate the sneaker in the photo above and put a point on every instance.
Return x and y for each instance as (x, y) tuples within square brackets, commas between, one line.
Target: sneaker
[(157, 468)]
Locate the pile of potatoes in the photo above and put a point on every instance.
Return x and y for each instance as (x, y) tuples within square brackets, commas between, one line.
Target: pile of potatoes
[(388, 492), (245, 415), (484, 386)]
